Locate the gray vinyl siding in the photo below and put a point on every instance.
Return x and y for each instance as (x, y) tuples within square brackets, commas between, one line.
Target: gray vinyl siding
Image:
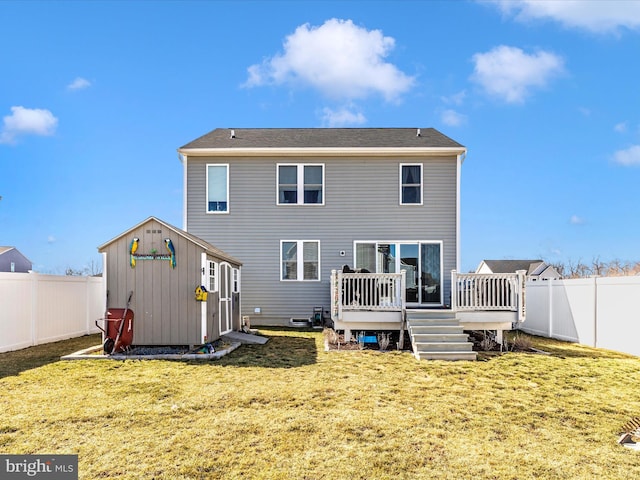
[(21, 263), (361, 203)]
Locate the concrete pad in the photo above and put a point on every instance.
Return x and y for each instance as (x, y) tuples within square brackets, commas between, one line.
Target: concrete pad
[(87, 354), (247, 338)]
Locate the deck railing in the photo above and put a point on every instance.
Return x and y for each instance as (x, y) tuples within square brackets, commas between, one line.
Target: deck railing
[(489, 292), (366, 292)]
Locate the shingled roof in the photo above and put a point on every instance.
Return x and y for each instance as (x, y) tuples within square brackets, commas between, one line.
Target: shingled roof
[(511, 266), (251, 138)]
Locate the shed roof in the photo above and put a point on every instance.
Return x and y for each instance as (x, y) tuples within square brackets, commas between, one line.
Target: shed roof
[(252, 138), (210, 249)]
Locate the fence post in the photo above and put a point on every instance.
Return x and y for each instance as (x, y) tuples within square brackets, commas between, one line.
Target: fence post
[(595, 311), (454, 290), (522, 303), (550, 307), (34, 307)]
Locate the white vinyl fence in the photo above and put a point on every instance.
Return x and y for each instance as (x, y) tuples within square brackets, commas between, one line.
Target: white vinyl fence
[(37, 309), (601, 312)]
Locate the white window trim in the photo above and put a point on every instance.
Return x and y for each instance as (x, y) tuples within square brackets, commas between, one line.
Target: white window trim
[(398, 243), (300, 266), (206, 198), (300, 178), (216, 276), (421, 202), (236, 280)]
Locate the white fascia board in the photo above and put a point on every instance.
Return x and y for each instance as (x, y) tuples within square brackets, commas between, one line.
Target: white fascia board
[(323, 152)]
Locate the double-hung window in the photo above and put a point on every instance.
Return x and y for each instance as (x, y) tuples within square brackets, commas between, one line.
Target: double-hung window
[(300, 184), (217, 188), (411, 184), (299, 260)]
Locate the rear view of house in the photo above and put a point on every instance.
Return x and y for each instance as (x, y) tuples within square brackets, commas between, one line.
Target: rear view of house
[(296, 204)]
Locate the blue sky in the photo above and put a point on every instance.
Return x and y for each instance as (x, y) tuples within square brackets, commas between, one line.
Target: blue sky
[(95, 98)]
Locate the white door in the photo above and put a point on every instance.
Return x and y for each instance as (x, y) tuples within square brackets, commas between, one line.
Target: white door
[(226, 289)]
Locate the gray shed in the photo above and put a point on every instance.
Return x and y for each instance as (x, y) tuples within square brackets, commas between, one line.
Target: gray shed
[(164, 266)]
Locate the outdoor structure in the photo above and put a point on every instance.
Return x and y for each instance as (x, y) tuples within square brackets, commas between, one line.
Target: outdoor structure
[(11, 260), (534, 269), (304, 207), (185, 290)]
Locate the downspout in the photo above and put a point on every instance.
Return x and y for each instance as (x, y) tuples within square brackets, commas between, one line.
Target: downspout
[(183, 160)]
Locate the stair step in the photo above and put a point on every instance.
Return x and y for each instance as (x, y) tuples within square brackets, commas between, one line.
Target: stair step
[(432, 321), (440, 337), (435, 329), (442, 346), (446, 356), (418, 314)]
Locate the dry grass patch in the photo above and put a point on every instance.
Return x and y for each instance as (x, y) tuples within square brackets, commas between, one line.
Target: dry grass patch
[(289, 410)]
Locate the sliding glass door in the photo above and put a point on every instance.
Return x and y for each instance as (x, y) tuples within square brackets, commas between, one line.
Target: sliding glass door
[(421, 262)]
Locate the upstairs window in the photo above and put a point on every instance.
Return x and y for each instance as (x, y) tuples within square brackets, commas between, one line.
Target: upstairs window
[(300, 184), (217, 188), (411, 184), (300, 260)]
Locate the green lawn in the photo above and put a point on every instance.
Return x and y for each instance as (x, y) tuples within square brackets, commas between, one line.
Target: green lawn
[(290, 410)]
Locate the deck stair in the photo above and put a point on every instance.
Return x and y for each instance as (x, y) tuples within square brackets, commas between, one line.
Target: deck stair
[(438, 335)]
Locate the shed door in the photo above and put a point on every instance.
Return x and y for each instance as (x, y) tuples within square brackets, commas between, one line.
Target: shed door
[(226, 288)]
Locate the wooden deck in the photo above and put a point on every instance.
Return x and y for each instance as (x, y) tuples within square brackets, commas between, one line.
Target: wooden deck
[(376, 302)]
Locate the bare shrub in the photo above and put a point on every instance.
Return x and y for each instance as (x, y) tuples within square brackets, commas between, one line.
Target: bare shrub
[(383, 340), (521, 342), (331, 336), (488, 343)]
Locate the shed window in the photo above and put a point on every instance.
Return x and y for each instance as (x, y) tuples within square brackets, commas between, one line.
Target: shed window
[(411, 184), (236, 280), (300, 184), (213, 277), (217, 188), (300, 260)]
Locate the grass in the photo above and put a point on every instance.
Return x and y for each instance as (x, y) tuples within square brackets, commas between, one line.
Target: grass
[(289, 410)]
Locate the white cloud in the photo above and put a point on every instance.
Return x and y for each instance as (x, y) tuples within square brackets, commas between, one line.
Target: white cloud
[(620, 127), (599, 16), (456, 98), (79, 83), (576, 220), (339, 59), (510, 74), (628, 157), (342, 117), (27, 121), (453, 118), (51, 239)]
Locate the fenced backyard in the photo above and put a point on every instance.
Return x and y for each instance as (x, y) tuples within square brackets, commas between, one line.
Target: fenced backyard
[(290, 410), (37, 309), (601, 312)]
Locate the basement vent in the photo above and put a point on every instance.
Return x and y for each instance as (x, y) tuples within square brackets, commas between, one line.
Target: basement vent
[(299, 322)]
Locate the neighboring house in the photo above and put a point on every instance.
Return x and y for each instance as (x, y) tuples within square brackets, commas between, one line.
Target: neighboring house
[(535, 269), (11, 260), (296, 203)]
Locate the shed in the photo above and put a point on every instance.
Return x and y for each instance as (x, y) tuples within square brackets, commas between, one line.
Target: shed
[(164, 266)]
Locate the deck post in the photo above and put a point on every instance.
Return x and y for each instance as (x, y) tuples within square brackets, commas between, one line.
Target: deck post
[(454, 290), (522, 305)]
